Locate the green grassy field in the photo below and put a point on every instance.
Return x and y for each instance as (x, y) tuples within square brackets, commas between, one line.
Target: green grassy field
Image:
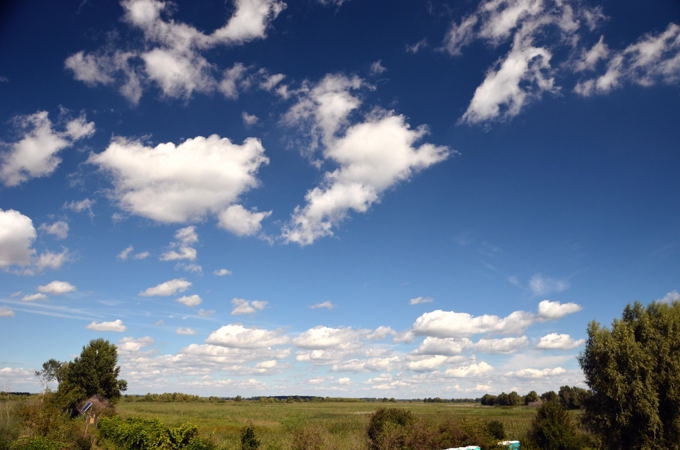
[(334, 424)]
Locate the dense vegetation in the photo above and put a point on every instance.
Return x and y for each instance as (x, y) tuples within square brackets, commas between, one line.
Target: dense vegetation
[(633, 370)]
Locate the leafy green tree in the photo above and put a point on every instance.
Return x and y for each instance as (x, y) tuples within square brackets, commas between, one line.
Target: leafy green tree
[(633, 370), (572, 397), (531, 397), (94, 372), (49, 372)]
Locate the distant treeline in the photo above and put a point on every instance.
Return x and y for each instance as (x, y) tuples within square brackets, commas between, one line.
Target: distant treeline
[(181, 397), (14, 394), (571, 397)]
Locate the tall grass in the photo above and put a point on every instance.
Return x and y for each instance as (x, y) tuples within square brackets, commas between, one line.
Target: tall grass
[(332, 425)]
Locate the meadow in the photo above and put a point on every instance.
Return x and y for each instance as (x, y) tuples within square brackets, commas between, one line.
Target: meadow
[(331, 424)]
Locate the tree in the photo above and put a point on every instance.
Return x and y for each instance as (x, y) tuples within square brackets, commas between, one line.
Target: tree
[(94, 372), (49, 373), (633, 370), (531, 397)]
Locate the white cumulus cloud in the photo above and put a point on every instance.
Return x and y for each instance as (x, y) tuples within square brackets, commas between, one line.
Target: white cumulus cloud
[(551, 310), (242, 222), (238, 336), (471, 370), (116, 326), (179, 183), (17, 235), (555, 341), (36, 154), (58, 229), (372, 157), (57, 288), (190, 300), (167, 288)]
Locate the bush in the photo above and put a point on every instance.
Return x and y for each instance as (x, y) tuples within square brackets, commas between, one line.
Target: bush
[(248, 439), (388, 427), (553, 429), (135, 433), (496, 429)]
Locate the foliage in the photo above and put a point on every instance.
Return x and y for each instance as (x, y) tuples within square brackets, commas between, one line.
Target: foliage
[(43, 425), (550, 396), (135, 433), (633, 370), (94, 372), (394, 428), (531, 397), (387, 428), (311, 437), (496, 429), (502, 399), (553, 429), (248, 439), (573, 397)]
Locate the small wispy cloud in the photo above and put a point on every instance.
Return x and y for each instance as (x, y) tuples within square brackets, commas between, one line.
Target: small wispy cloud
[(420, 300), (243, 306), (323, 305), (540, 285), (170, 287)]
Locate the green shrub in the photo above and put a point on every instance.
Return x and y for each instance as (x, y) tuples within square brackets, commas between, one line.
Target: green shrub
[(388, 428), (135, 433), (553, 429), (248, 439), (496, 429)]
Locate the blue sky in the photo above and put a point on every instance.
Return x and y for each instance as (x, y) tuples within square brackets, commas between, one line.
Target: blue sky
[(344, 198)]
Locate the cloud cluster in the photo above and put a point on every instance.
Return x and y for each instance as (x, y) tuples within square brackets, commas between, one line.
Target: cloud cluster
[(653, 59), (546, 39), (36, 154), (235, 350), (173, 56)]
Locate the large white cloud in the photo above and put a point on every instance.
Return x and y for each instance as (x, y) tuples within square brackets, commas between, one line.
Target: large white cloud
[(16, 239), (372, 157), (36, 153), (451, 324), (179, 183)]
